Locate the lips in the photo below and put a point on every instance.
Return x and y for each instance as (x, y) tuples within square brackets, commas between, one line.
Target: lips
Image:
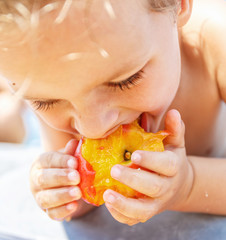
[(110, 131), (144, 122)]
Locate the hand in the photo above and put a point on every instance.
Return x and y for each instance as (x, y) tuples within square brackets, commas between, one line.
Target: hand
[(166, 181), (54, 180)]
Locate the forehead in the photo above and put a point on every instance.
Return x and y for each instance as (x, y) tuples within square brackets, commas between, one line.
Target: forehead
[(86, 39), (92, 27)]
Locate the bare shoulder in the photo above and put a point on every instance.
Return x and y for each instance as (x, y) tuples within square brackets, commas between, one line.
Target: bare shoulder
[(207, 28), (213, 32)]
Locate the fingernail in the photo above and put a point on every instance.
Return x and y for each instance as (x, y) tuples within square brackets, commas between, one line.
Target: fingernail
[(110, 198), (74, 192), (71, 163), (136, 157), (71, 206), (116, 171), (72, 176), (68, 219)]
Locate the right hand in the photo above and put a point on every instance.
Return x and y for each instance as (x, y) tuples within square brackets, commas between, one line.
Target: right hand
[(54, 180)]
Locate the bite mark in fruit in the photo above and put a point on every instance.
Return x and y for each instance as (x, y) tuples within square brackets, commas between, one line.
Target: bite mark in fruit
[(97, 156)]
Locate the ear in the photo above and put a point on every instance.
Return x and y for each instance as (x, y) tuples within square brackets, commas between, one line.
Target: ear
[(184, 12)]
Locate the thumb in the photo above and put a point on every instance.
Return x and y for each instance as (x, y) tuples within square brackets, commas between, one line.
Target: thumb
[(71, 147), (176, 127)]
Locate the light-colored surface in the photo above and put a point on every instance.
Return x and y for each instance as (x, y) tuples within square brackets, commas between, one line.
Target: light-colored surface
[(21, 217)]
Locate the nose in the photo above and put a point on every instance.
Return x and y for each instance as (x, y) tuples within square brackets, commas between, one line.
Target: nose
[(96, 123)]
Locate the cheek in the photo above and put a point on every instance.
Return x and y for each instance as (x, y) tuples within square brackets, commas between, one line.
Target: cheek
[(165, 78), (57, 118), (159, 87), (155, 92)]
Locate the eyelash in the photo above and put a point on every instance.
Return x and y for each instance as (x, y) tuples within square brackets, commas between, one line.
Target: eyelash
[(128, 83), (44, 106), (123, 85)]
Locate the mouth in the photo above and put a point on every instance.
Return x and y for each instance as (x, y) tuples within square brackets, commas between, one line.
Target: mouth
[(144, 122), (111, 131)]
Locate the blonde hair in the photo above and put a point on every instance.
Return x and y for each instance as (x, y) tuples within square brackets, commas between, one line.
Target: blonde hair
[(14, 12), (8, 6), (164, 5)]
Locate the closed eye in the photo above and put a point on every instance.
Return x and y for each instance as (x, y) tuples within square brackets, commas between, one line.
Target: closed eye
[(44, 105), (128, 83), (123, 85)]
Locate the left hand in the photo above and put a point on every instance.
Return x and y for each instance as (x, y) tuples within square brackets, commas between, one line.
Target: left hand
[(166, 186)]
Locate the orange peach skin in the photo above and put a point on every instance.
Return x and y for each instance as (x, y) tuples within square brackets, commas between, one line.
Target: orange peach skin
[(97, 156)]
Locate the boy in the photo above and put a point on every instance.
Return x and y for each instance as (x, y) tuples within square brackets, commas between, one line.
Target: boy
[(89, 66)]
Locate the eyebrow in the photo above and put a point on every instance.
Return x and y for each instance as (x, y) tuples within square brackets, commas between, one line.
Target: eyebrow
[(117, 75), (46, 99), (39, 99), (50, 100)]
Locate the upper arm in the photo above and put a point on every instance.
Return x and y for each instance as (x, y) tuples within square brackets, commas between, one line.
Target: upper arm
[(220, 45), (221, 73), (214, 34), (52, 139), (222, 84)]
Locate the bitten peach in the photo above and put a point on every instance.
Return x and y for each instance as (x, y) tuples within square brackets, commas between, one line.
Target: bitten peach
[(97, 156)]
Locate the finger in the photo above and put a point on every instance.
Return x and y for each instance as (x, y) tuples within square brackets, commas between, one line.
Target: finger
[(120, 217), (71, 147), (68, 219), (176, 127), (59, 213), (165, 163), (51, 198), (139, 209), (142, 181), (53, 177), (56, 160)]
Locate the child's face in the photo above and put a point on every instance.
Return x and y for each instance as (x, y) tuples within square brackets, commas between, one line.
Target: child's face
[(136, 39)]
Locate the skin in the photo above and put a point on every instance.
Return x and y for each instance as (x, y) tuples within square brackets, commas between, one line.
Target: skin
[(12, 128), (178, 74)]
